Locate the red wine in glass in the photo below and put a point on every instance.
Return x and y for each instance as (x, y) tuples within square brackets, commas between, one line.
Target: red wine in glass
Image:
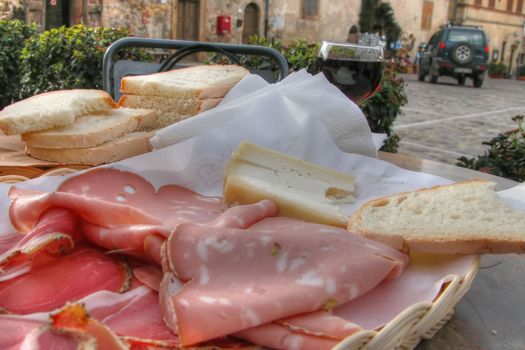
[(354, 69)]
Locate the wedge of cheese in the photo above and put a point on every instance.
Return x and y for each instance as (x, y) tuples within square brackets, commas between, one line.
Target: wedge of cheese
[(302, 190)]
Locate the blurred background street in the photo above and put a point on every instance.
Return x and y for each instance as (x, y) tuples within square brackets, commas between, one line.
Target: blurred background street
[(444, 121)]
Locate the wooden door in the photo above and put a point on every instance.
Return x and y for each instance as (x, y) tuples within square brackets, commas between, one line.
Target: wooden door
[(251, 22), (57, 13), (188, 19)]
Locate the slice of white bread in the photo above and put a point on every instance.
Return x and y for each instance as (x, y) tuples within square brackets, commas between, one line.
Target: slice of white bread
[(52, 109), (183, 106), (465, 217), (91, 130), (203, 81), (129, 145)]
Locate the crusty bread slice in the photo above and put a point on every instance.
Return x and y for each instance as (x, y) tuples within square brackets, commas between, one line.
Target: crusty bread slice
[(465, 217), (129, 145), (91, 130), (183, 106), (204, 81), (52, 109)]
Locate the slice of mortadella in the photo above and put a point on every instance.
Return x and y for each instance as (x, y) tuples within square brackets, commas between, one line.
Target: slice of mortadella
[(119, 209), (238, 278)]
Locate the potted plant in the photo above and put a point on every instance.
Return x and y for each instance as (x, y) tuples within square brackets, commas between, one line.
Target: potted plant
[(520, 73), (497, 70)]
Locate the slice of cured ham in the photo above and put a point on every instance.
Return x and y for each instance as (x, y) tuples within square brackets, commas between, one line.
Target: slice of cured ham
[(55, 280), (56, 233), (242, 278)]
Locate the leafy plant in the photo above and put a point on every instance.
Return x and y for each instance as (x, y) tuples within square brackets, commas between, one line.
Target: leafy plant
[(383, 107), (378, 17), (298, 53), (12, 37), (68, 58), (506, 155), (497, 68)]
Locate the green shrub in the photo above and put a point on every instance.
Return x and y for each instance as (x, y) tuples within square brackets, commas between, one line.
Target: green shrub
[(382, 109), (298, 53), (497, 68), (69, 58), (12, 37), (506, 155)]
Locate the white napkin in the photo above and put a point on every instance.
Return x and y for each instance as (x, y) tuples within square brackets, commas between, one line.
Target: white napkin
[(299, 95)]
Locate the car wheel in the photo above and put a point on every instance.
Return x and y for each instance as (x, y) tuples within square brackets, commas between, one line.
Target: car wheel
[(478, 80), (462, 53), (461, 80), (421, 74), (433, 78)]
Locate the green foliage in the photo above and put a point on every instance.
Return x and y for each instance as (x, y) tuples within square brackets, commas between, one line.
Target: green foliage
[(69, 58), (497, 68), (382, 108), (12, 37), (379, 17), (367, 16), (298, 53), (506, 155)]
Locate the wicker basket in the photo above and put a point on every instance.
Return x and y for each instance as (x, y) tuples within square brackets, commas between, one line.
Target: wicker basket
[(417, 322)]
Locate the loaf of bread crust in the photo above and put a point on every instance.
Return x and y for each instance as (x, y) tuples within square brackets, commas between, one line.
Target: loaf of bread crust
[(183, 106), (466, 217), (52, 109), (204, 81), (91, 130), (129, 145)]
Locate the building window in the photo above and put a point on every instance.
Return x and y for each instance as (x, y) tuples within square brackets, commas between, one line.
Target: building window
[(519, 8), (310, 8), (426, 16), (477, 2), (509, 5), (492, 3)]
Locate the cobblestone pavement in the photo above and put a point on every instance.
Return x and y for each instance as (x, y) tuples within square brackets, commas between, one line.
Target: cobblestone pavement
[(445, 121)]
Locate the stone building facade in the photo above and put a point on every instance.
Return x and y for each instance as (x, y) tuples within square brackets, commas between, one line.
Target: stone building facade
[(312, 20)]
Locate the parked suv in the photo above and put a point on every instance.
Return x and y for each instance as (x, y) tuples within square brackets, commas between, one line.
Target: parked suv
[(457, 51)]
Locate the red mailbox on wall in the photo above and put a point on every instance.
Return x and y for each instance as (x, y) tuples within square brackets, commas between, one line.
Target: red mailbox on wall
[(224, 25)]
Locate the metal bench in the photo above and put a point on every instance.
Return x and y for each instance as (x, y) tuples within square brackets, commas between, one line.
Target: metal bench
[(114, 70)]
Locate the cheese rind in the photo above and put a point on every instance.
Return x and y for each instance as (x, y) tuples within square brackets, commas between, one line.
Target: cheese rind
[(301, 189)]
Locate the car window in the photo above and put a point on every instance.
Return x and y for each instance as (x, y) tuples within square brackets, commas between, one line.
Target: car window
[(473, 37), (433, 41)]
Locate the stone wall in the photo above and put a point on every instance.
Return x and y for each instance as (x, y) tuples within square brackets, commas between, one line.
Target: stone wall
[(145, 18), (12, 9)]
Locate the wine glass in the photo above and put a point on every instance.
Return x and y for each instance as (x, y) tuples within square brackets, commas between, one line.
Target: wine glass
[(356, 70)]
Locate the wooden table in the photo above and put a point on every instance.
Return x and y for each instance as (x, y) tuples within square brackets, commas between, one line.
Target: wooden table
[(491, 316)]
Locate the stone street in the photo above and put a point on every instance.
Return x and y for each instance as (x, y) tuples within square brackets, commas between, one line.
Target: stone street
[(445, 121)]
